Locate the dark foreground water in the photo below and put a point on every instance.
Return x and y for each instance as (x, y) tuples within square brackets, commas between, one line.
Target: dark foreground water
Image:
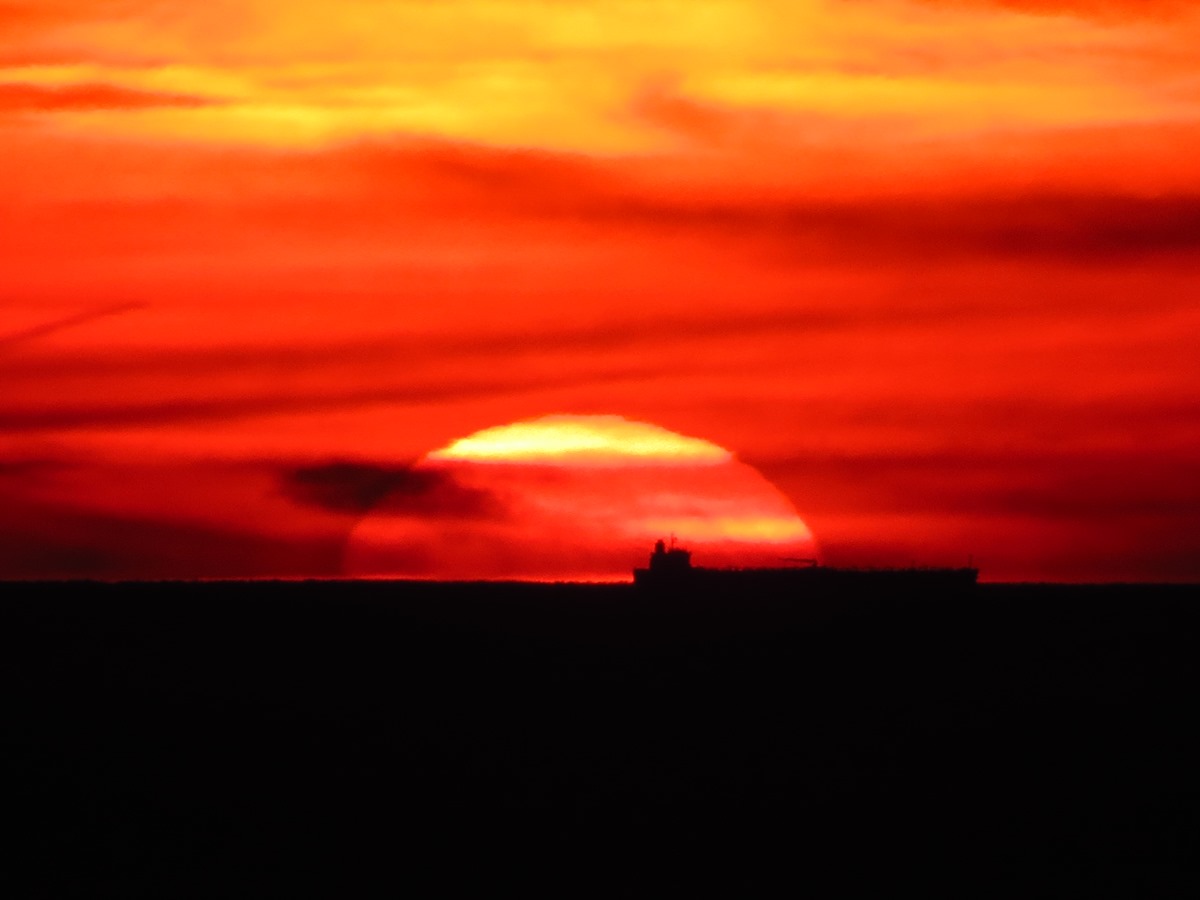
[(238, 739)]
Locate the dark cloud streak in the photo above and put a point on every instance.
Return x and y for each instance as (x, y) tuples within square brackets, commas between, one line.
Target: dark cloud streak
[(1094, 226), (1096, 229), (101, 415), (1101, 486), (35, 98), (355, 487), (809, 316), (82, 318)]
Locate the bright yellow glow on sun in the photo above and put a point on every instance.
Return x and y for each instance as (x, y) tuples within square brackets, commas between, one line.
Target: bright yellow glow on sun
[(582, 440), (756, 529)]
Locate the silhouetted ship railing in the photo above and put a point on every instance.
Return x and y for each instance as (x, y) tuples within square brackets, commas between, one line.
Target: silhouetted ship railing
[(671, 567)]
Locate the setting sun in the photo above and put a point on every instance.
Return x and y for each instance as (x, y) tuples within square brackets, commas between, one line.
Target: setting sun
[(572, 498)]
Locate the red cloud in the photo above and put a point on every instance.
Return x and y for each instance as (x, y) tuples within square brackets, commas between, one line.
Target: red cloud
[(40, 98), (1095, 9)]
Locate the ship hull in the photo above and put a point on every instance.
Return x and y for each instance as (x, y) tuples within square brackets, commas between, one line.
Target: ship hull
[(814, 580)]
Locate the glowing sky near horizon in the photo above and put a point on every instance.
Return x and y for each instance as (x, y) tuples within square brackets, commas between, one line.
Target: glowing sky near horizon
[(929, 266)]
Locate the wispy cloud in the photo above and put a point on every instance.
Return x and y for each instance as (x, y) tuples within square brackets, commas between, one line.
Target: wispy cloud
[(1100, 9), (35, 98), (356, 487), (81, 318)]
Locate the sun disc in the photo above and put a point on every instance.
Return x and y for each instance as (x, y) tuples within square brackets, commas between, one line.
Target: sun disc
[(574, 498)]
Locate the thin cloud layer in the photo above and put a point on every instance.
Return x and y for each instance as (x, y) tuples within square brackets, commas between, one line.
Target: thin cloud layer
[(1099, 9), (357, 487), (33, 98)]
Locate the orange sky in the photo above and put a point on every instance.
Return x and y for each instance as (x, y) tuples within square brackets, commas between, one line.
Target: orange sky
[(931, 267)]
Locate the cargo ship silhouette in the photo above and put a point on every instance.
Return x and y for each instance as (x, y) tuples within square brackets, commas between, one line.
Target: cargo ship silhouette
[(671, 567)]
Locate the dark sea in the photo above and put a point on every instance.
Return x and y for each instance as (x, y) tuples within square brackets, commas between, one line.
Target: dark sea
[(279, 738)]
